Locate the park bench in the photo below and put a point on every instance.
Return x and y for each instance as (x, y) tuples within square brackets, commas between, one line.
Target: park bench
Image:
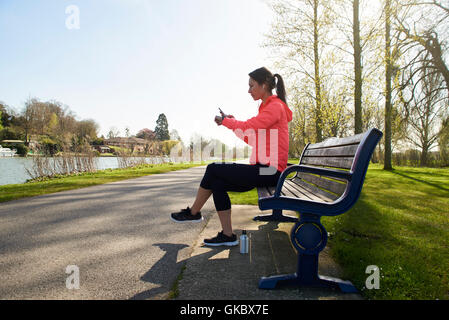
[(326, 182)]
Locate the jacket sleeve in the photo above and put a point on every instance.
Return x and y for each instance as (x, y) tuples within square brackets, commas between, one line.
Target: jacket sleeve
[(247, 137), (264, 120)]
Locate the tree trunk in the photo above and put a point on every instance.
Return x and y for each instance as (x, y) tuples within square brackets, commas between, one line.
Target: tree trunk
[(433, 45), (358, 124), (424, 156), (388, 75), (318, 123)]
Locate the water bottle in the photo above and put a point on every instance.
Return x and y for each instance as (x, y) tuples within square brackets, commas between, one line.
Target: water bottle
[(244, 242)]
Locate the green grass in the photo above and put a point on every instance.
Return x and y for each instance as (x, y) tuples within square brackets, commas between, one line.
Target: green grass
[(174, 290), (63, 183), (400, 224)]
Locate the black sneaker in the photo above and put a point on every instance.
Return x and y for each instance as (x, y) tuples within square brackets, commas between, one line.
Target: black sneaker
[(222, 240), (185, 215)]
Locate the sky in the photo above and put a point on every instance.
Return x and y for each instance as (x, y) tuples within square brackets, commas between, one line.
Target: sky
[(123, 62)]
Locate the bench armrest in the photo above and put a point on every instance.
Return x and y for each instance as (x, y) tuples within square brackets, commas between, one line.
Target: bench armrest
[(309, 169)]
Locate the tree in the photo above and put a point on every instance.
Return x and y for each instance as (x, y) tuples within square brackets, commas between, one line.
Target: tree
[(2, 109), (49, 146), (318, 115), (174, 135), (161, 129), (7, 116), (46, 118), (357, 69), (425, 29), (27, 119), (87, 129), (300, 33), (388, 91), (336, 120), (443, 141), (146, 134), (113, 133), (357, 23), (67, 123), (298, 136), (425, 109), (41, 116), (52, 126)]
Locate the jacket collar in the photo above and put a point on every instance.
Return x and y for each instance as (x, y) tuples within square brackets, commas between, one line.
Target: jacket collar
[(269, 99)]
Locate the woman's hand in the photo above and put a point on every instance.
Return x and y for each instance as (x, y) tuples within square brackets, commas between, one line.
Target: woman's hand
[(219, 120)]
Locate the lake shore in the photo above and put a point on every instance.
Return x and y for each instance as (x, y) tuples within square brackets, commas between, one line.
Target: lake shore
[(13, 170), (75, 181)]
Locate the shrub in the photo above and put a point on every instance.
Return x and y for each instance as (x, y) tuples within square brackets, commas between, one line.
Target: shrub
[(49, 146), (22, 150)]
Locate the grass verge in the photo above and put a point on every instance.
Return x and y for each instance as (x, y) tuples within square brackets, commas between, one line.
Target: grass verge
[(63, 183), (400, 224), (174, 290)]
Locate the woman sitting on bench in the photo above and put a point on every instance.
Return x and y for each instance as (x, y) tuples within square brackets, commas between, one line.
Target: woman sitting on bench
[(267, 132)]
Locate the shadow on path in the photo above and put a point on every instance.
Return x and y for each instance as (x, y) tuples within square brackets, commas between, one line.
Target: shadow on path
[(155, 274)]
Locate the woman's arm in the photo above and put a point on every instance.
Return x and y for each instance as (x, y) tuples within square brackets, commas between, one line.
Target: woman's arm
[(264, 120), (239, 133)]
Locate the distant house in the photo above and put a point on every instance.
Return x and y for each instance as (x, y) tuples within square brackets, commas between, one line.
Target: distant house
[(135, 144), (124, 142), (103, 149)]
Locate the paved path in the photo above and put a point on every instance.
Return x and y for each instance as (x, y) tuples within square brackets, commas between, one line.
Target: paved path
[(118, 234), (224, 273)]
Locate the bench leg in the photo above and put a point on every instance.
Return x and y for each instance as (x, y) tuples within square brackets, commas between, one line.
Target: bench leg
[(275, 216), (309, 237), (306, 276)]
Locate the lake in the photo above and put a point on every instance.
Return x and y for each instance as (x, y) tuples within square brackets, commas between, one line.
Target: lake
[(12, 170)]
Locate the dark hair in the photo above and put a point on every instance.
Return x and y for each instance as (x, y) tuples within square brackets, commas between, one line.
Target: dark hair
[(263, 75)]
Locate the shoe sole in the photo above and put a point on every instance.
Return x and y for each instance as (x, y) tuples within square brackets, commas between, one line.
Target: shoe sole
[(228, 244), (187, 221)]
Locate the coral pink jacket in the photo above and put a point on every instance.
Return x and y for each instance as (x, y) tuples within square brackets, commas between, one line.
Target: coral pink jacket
[(267, 133)]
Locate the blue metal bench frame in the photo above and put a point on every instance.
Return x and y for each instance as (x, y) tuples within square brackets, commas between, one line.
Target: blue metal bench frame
[(308, 235)]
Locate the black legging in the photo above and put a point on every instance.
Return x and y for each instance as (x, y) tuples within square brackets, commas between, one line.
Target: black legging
[(223, 177)]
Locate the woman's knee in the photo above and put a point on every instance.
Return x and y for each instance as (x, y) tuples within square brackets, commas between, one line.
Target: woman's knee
[(220, 196), (209, 176), (212, 167)]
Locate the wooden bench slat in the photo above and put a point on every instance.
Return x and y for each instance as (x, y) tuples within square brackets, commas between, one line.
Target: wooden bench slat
[(342, 163), (320, 195), (298, 192), (302, 193), (324, 183), (263, 192), (290, 192), (339, 151), (272, 190), (332, 142), (309, 191)]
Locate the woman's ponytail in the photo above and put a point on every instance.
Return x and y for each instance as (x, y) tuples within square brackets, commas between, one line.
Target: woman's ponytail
[(264, 76), (280, 88)]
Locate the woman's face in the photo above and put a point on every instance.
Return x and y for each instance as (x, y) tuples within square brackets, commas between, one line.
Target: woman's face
[(256, 90)]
